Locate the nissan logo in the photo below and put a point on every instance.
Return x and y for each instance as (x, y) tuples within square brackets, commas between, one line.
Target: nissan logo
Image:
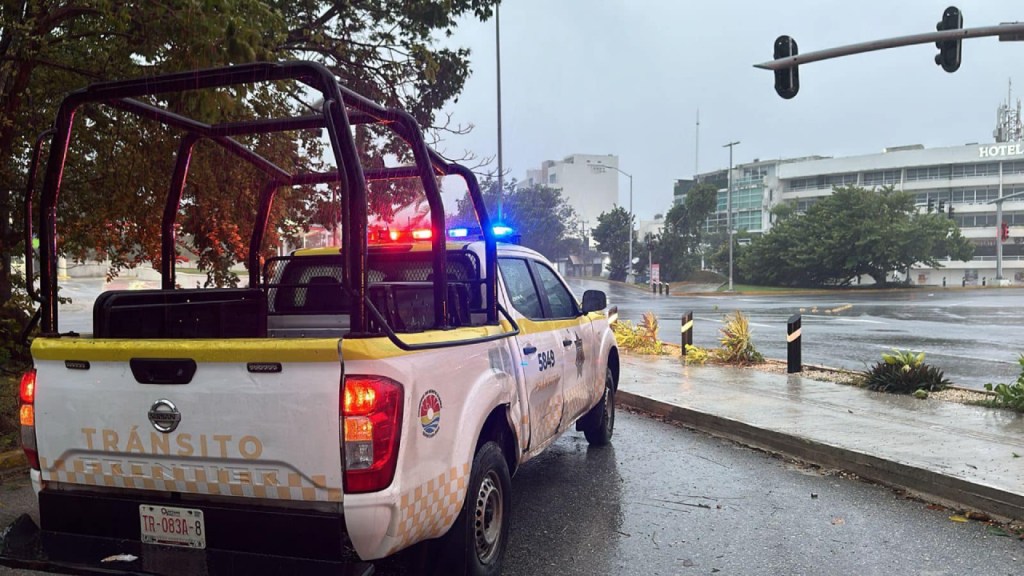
[(164, 416)]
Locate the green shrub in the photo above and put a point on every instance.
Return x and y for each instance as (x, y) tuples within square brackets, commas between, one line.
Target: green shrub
[(697, 355), (1009, 395), (9, 428), (904, 372), (14, 316), (737, 346), (642, 338), (905, 359)]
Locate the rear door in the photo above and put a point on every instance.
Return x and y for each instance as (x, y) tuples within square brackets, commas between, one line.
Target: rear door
[(540, 344), (228, 417), (576, 339)]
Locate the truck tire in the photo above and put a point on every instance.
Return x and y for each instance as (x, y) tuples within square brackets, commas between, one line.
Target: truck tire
[(599, 423), (475, 545)]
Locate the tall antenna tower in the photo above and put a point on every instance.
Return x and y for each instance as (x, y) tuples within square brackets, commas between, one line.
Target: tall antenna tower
[(1008, 120)]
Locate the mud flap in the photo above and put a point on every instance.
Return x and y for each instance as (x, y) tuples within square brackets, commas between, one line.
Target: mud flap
[(24, 546)]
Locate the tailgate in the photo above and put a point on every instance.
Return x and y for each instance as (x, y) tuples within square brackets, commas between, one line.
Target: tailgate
[(258, 418)]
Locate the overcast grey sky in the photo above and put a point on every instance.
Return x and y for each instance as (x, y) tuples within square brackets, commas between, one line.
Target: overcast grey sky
[(626, 77)]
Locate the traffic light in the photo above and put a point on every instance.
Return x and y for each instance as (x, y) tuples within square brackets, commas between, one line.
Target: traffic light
[(949, 50), (942, 206), (931, 206), (787, 80), (951, 211), (1004, 232)]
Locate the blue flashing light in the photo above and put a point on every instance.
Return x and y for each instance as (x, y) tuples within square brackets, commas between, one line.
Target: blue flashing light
[(502, 230), (458, 232)]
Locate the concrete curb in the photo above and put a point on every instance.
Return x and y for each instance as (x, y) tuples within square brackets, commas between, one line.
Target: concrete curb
[(932, 486)]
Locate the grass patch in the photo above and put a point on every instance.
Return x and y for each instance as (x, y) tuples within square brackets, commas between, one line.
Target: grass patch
[(706, 277), (764, 289)]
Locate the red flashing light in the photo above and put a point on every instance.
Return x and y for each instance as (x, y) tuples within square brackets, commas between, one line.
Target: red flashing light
[(394, 235)]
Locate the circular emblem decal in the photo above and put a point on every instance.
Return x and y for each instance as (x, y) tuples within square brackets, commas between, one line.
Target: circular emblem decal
[(430, 413), (164, 416)]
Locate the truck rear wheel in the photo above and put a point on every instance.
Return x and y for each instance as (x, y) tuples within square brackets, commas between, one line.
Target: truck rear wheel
[(476, 543), (599, 424)]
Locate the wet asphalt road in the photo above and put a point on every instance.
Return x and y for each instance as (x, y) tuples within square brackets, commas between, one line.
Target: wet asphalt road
[(663, 500), (974, 336)]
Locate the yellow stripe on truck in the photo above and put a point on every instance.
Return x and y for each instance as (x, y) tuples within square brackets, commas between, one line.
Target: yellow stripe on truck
[(527, 326), (245, 349)]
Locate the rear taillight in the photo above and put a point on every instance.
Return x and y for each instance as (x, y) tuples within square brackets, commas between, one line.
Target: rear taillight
[(371, 423), (27, 416)]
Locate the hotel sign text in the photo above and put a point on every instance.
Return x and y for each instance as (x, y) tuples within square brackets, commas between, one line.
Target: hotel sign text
[(1001, 150)]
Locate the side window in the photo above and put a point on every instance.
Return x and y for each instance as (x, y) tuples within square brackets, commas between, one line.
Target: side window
[(561, 301), (519, 284)]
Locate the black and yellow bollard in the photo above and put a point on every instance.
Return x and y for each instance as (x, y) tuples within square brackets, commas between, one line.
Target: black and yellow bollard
[(793, 344), (687, 331)]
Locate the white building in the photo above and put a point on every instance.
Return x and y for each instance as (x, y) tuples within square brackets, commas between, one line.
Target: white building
[(964, 180), (588, 182)]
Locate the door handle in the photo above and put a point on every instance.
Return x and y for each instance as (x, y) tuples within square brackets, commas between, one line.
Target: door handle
[(529, 350), (567, 342)]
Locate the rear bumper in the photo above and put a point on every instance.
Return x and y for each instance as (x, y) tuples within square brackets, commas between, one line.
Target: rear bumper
[(81, 530)]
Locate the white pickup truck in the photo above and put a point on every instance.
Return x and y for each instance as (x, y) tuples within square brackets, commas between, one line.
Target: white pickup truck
[(363, 398)]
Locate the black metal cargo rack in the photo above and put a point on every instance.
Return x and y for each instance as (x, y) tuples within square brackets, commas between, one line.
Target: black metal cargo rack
[(341, 110)]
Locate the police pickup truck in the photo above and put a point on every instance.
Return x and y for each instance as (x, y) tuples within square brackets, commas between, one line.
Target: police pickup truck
[(363, 398)]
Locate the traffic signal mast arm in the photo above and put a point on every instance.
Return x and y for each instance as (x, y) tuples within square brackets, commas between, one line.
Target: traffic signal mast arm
[(1007, 197), (1013, 31)]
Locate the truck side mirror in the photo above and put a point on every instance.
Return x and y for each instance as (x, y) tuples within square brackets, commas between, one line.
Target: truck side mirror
[(594, 300)]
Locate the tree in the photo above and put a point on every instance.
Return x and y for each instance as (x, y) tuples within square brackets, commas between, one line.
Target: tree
[(612, 236), (783, 210), (539, 214), (385, 50), (851, 233), (681, 241)]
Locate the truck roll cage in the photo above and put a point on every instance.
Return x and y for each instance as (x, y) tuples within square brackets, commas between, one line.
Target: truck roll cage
[(341, 110)]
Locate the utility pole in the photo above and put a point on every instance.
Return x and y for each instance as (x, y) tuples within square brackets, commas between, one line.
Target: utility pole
[(696, 153), (629, 273), (728, 209)]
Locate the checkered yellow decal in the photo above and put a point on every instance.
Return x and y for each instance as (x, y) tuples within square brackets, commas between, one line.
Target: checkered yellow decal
[(551, 416), (577, 399), (192, 480), (428, 509)]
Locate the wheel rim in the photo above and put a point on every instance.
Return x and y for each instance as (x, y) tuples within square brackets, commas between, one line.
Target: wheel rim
[(487, 518)]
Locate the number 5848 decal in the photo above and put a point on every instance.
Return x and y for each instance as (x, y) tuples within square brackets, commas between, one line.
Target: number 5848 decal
[(546, 359)]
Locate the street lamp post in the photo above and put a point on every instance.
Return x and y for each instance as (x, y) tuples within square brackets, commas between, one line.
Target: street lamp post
[(601, 167), (497, 52), (728, 209)]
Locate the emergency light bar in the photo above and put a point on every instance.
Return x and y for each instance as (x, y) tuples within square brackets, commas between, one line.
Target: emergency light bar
[(500, 231)]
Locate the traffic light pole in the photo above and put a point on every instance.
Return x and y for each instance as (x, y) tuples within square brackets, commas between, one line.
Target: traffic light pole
[(1007, 33), (999, 223)]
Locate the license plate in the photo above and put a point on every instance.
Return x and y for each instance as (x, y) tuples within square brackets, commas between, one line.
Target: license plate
[(172, 526)]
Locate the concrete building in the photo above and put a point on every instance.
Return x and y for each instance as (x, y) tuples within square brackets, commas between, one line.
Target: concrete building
[(588, 182), (964, 180)]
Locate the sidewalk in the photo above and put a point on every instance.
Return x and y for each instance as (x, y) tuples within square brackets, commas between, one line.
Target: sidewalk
[(962, 455)]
